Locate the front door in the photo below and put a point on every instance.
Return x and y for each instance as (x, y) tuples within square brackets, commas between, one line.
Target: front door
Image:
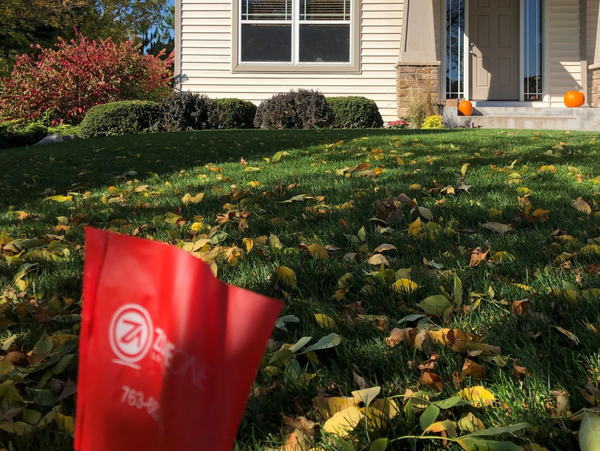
[(495, 46)]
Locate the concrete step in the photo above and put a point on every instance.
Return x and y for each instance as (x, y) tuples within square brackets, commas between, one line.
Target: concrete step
[(528, 122), (526, 112)]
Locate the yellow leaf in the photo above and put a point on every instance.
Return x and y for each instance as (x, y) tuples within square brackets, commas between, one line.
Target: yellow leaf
[(188, 199), (317, 251), (339, 294), (415, 228), (590, 250), (275, 243), (470, 423), (477, 396), (570, 335), (399, 161), (565, 256), (65, 423), (415, 186), (524, 190), (362, 235), (502, 257), (378, 259), (344, 422), (541, 215), (495, 212), (443, 426), (330, 406), (286, 276), (196, 226), (249, 242), (404, 286), (60, 198), (325, 321), (253, 184), (551, 169)]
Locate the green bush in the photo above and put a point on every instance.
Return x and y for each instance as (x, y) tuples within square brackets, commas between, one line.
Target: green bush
[(119, 118), (355, 112), (231, 113), (16, 134), (302, 109), (184, 111)]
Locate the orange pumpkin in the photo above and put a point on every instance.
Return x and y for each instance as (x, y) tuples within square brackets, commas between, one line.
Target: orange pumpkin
[(466, 108), (574, 99)]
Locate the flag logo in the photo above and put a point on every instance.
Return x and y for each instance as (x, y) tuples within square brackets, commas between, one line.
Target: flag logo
[(130, 334)]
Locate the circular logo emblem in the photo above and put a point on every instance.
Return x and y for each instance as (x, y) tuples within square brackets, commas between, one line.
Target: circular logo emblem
[(130, 333)]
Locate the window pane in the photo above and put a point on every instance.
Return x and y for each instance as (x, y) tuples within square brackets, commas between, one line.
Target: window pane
[(455, 30), (266, 9), (533, 49), (266, 43), (325, 9), (325, 43)]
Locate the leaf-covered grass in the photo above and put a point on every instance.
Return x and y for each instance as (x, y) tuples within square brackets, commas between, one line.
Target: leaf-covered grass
[(545, 257)]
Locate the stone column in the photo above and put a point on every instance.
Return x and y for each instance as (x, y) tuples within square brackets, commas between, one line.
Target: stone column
[(413, 80), (417, 67), (595, 68)]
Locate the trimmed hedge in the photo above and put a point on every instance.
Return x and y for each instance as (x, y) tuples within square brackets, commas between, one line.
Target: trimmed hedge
[(355, 112), (295, 109), (184, 111), (15, 134), (231, 113), (119, 118)]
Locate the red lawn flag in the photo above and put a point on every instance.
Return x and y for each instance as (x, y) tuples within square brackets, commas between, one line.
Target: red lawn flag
[(168, 352)]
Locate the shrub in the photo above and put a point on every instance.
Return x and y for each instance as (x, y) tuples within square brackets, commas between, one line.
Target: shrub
[(400, 123), (354, 112), (119, 118), (231, 113), (433, 122), (295, 109), (16, 134), (64, 83), (184, 111)]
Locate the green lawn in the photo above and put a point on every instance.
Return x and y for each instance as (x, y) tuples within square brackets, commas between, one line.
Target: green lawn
[(548, 345)]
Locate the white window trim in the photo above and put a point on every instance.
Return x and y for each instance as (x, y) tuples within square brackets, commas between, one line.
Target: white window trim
[(353, 66)]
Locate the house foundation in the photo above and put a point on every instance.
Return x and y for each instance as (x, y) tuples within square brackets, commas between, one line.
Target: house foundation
[(414, 80)]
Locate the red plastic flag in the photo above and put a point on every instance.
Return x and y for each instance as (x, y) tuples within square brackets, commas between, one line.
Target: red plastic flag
[(168, 352)]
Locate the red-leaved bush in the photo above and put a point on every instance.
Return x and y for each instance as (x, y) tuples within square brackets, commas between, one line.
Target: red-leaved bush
[(62, 84)]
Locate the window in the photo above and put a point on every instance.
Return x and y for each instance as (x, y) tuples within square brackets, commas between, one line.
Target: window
[(455, 55), (532, 50), (295, 32)]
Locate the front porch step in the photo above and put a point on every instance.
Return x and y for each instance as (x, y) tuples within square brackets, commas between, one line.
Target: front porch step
[(528, 122), (534, 118), (525, 111)]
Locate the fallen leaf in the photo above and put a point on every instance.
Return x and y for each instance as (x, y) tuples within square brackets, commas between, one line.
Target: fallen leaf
[(378, 260), (589, 432), (397, 336), (582, 206), (344, 422), (404, 286), (570, 335), (520, 307), (435, 305), (497, 227), (562, 403), (385, 248), (470, 423), (286, 276), (473, 370), (478, 396), (317, 251), (325, 321), (432, 380)]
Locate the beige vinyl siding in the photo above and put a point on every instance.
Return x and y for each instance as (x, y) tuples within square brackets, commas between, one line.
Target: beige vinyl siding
[(206, 57), (564, 49), (593, 8)]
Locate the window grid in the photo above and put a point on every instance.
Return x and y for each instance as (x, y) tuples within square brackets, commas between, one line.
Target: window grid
[(293, 11)]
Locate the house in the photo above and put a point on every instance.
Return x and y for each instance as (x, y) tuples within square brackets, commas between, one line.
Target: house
[(515, 59)]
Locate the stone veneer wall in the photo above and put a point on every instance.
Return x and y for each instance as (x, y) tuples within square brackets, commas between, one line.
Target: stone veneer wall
[(596, 88), (413, 78)]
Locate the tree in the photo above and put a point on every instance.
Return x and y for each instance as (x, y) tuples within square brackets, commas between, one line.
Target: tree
[(23, 22), (121, 19), (162, 37)]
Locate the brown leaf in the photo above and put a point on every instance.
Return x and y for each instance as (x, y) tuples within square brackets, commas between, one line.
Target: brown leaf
[(582, 206), (521, 370), (429, 365), (497, 227), (520, 307), (432, 380), (302, 433), (406, 200), (477, 256), (562, 403), (473, 370), (397, 336), (457, 379), (16, 358)]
